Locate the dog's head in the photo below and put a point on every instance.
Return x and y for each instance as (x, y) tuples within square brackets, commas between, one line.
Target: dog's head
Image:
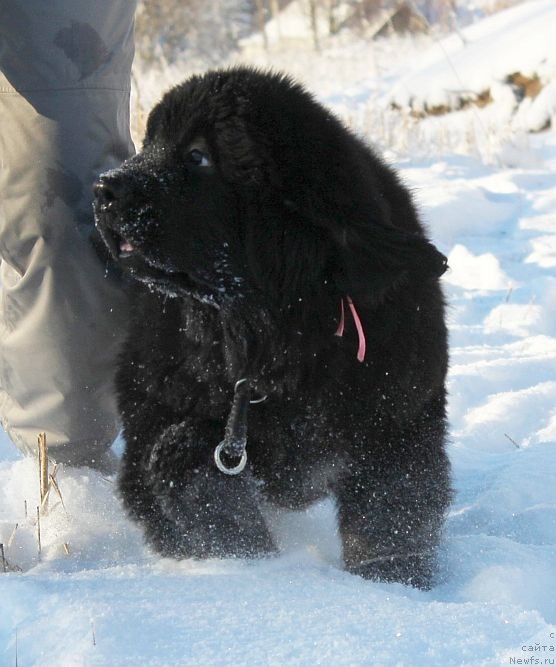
[(246, 184)]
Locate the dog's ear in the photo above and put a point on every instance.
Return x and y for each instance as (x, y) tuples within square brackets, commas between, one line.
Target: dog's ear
[(288, 258), (377, 257)]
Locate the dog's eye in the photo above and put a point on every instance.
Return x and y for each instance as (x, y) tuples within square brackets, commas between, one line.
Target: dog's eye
[(199, 158)]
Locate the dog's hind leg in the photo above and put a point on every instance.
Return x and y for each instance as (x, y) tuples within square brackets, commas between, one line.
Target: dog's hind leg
[(201, 513)]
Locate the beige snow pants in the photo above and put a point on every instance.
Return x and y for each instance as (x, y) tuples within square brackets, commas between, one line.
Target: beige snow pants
[(64, 118)]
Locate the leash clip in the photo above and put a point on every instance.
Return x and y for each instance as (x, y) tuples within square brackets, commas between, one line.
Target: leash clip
[(235, 435)]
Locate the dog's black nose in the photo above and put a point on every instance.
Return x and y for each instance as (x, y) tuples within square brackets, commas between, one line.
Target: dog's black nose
[(110, 188)]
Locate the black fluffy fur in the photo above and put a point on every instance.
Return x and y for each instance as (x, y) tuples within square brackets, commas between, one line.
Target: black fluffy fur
[(241, 265)]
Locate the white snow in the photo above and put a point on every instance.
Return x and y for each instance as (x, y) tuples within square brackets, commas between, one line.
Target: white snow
[(520, 39), (476, 272), (110, 602)]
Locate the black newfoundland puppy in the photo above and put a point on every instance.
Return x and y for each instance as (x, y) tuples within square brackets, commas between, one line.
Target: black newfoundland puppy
[(287, 299)]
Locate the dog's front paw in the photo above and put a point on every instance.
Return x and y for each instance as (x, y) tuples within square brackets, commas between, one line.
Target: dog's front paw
[(204, 513), (417, 570), (210, 515)]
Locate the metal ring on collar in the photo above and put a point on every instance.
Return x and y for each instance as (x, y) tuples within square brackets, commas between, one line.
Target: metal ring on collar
[(223, 468), (255, 400)]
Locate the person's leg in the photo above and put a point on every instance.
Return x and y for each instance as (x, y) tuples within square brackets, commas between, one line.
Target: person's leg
[(64, 117)]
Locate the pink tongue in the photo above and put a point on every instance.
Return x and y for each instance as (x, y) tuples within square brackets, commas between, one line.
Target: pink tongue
[(126, 247)]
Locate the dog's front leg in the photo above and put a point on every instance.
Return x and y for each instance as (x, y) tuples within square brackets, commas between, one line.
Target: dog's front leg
[(391, 517), (202, 513)]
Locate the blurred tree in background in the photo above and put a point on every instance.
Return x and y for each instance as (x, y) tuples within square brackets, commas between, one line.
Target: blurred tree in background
[(212, 29), (209, 28)]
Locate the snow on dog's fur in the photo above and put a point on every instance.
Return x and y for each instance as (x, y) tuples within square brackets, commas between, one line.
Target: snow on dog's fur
[(258, 227)]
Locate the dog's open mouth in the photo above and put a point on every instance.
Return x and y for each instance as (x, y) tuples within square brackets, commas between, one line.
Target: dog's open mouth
[(148, 270), (119, 247), (125, 249)]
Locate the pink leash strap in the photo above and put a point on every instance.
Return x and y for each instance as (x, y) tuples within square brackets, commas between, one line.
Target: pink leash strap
[(357, 320)]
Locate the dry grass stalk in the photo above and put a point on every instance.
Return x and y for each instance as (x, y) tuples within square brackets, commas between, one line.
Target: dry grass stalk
[(5, 563), (47, 482), (514, 443), (43, 506), (39, 531), (43, 469), (12, 536), (44, 497), (54, 484)]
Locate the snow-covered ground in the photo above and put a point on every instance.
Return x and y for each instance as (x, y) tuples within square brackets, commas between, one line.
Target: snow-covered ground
[(481, 57), (110, 602)]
